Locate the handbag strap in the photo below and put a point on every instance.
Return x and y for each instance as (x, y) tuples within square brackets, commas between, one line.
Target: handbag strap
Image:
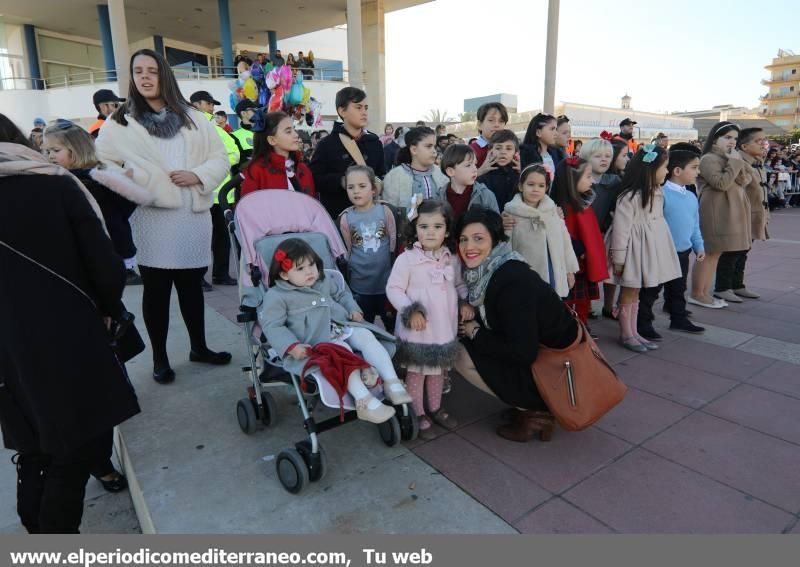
[(46, 269), (352, 149)]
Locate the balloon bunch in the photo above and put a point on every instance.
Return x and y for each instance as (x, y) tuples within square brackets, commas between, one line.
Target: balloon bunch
[(273, 88)]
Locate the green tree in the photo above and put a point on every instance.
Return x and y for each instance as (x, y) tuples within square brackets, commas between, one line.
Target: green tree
[(467, 116), (436, 116)]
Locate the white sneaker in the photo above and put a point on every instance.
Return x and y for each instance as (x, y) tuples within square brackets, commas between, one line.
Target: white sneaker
[(720, 302), (715, 304)]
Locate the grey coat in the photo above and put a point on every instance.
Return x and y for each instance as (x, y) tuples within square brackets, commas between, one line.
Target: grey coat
[(481, 196), (291, 315)]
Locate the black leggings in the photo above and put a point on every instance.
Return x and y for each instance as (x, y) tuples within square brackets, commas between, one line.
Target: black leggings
[(155, 307)]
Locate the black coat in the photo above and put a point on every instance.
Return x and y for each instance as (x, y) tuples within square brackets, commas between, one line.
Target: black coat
[(116, 212), (606, 192), (62, 383), (522, 311), (503, 182), (390, 154), (529, 154), (331, 160)]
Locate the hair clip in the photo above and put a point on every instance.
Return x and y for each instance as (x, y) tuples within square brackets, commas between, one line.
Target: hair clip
[(283, 258), (606, 135), (573, 161), (416, 201), (650, 153)]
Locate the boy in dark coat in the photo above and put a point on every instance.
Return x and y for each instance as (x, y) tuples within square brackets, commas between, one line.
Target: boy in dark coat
[(503, 179), (332, 156)]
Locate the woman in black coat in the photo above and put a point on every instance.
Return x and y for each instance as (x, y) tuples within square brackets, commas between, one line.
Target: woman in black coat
[(514, 311), (62, 388)]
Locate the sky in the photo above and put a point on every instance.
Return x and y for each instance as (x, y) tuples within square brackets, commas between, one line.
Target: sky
[(668, 56)]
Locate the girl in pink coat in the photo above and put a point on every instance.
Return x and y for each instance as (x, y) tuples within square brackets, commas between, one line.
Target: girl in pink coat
[(425, 286)]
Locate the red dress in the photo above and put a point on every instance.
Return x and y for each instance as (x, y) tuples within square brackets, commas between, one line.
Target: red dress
[(584, 229), (272, 175)]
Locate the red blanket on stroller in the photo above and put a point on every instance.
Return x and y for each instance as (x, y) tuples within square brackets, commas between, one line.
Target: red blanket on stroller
[(336, 363)]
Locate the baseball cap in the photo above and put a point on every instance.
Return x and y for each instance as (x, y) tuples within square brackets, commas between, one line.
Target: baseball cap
[(627, 122), (203, 95), (245, 104), (105, 95)]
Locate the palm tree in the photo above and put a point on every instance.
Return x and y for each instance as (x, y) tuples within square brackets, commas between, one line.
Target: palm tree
[(437, 116)]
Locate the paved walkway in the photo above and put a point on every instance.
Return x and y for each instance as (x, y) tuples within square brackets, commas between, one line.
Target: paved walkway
[(707, 441)]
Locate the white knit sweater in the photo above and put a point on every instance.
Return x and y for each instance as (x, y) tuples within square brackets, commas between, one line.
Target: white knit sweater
[(174, 238)]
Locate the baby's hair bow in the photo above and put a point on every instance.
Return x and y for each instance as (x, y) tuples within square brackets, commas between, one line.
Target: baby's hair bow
[(416, 200), (574, 161), (285, 261), (650, 153), (606, 135)]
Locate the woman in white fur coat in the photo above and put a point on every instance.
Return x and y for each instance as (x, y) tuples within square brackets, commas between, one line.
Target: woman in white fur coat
[(175, 154), (539, 233)]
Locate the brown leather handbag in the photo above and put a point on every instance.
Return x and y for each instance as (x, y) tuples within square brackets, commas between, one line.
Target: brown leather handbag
[(577, 383)]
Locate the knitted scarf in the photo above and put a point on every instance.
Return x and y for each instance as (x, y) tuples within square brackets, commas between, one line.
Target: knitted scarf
[(477, 279), (16, 159)]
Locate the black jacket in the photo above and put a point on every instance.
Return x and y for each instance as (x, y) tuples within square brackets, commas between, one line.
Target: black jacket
[(529, 154), (606, 192), (503, 182), (62, 384), (522, 312), (331, 159), (389, 154), (116, 212)]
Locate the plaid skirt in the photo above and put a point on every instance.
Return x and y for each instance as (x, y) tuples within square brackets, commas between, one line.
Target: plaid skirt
[(583, 289)]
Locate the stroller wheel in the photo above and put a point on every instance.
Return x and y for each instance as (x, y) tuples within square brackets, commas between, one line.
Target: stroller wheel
[(246, 414), (269, 413), (317, 464), (292, 470), (390, 431), (409, 425)]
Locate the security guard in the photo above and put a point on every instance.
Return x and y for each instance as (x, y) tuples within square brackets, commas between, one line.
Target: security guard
[(244, 111), (220, 245)]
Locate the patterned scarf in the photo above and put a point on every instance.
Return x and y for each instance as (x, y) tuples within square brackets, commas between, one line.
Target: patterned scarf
[(477, 279)]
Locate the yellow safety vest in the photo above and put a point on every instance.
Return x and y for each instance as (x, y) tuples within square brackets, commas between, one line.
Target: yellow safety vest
[(233, 158), (245, 138)]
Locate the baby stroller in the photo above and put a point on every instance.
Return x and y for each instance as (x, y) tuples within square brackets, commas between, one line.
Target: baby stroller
[(260, 222)]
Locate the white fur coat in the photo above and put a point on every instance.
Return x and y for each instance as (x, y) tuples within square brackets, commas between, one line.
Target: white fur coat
[(131, 147)]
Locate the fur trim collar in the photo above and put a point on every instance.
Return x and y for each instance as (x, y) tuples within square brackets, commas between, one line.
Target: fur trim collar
[(164, 124)]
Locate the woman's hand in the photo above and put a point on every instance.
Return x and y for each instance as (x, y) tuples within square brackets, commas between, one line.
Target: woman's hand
[(466, 312), (357, 316), (488, 164), (417, 322), (618, 269), (183, 178), (509, 222), (299, 352), (571, 280), (467, 329)]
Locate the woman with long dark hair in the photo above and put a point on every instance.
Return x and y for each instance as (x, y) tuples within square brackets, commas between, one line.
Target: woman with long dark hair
[(174, 152)]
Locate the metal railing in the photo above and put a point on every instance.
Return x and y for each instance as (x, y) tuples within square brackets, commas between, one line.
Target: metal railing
[(196, 72)]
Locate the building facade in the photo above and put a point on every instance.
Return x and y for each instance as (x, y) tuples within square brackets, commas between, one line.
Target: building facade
[(781, 104)]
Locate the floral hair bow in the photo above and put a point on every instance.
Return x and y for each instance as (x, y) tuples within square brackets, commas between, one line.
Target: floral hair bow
[(606, 135), (258, 121), (650, 153), (416, 201), (285, 261), (574, 161)]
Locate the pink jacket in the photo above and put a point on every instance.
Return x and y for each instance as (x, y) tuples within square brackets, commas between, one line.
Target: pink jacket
[(420, 283)]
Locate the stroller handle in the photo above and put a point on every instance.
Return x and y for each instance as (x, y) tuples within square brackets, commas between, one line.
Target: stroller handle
[(234, 183)]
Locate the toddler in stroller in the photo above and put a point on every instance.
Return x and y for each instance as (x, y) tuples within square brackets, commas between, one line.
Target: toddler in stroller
[(304, 308)]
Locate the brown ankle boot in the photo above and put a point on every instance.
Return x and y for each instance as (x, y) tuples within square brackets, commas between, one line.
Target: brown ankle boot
[(526, 425)]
